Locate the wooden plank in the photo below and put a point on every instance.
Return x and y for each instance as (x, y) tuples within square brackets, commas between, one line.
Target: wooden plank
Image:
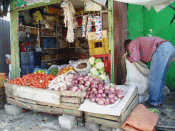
[(48, 96), (129, 101), (102, 116), (133, 104), (2, 97), (106, 123), (70, 100), (40, 108), (18, 103), (66, 111), (25, 100), (72, 93), (8, 88), (62, 105)]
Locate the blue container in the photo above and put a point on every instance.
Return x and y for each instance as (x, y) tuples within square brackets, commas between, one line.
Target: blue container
[(37, 59), (46, 43), (27, 57), (27, 69)]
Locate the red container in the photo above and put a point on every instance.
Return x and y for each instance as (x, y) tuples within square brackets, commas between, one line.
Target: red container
[(106, 58), (79, 20)]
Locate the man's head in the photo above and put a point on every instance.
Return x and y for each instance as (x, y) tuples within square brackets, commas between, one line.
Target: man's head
[(126, 44)]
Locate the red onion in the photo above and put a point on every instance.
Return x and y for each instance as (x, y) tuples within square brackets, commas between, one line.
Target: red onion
[(81, 86), (111, 92), (81, 82), (112, 89), (115, 98), (106, 91), (92, 96), (87, 83), (76, 81), (112, 101), (75, 77), (111, 96), (107, 101), (86, 78), (98, 95), (103, 88), (106, 86), (94, 89), (75, 88), (100, 91), (79, 78), (100, 85), (97, 99), (87, 93), (93, 99), (93, 86), (89, 89), (95, 82), (103, 95), (86, 96), (79, 90), (120, 96), (95, 92), (91, 92), (116, 88), (100, 88), (101, 102), (120, 91), (90, 79)]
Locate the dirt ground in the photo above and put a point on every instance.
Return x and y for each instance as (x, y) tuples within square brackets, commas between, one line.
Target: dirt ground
[(34, 121)]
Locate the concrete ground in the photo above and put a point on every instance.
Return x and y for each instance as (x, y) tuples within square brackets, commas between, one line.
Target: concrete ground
[(34, 121)]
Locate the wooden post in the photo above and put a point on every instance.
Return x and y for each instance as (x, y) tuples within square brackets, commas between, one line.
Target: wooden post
[(14, 39), (111, 36), (120, 35)]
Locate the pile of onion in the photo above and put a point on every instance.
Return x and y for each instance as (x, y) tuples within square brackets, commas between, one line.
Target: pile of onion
[(102, 94), (80, 82)]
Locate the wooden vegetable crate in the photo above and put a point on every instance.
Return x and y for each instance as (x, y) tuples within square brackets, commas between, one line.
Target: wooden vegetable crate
[(114, 121), (44, 100)]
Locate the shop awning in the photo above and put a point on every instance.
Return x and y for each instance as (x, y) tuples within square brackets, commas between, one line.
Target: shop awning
[(157, 4)]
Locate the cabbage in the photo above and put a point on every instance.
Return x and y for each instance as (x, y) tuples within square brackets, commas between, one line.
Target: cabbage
[(97, 61), (101, 71), (93, 69), (99, 65), (91, 60), (102, 77)]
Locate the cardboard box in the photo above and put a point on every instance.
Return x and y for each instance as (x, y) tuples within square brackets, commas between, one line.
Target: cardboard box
[(92, 35)]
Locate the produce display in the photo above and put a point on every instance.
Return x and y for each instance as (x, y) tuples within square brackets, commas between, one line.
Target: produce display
[(102, 93), (53, 71), (65, 70), (98, 69), (37, 80), (40, 71), (82, 66), (70, 82)]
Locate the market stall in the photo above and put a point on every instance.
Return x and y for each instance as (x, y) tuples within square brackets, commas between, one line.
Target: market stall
[(66, 57)]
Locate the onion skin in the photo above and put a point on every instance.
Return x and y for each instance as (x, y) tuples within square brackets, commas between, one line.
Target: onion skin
[(101, 102), (98, 95), (92, 96), (112, 101), (103, 95), (93, 100), (111, 96)]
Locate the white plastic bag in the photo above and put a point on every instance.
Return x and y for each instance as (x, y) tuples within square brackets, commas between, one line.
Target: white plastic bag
[(137, 75), (85, 70)]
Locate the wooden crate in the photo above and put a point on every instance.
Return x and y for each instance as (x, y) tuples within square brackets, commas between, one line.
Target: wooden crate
[(69, 102), (113, 121)]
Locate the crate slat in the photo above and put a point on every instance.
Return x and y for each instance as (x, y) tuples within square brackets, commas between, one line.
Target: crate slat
[(18, 103), (133, 104), (104, 122), (129, 101), (71, 100), (102, 116), (26, 100), (62, 105), (66, 111), (73, 93)]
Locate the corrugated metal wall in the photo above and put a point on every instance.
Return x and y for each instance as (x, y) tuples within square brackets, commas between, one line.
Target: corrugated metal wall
[(4, 44)]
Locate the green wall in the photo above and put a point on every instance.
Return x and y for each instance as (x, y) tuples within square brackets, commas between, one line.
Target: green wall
[(142, 22)]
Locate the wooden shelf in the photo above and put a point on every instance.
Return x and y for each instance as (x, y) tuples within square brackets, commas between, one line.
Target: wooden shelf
[(50, 48), (28, 26), (48, 60), (74, 47), (48, 36)]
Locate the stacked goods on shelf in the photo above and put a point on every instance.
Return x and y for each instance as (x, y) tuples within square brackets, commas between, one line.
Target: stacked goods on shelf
[(2, 92), (100, 46)]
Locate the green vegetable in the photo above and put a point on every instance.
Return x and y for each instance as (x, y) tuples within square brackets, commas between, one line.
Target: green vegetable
[(102, 77), (102, 71), (93, 69), (99, 65), (97, 61), (40, 71), (53, 71), (91, 60)]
